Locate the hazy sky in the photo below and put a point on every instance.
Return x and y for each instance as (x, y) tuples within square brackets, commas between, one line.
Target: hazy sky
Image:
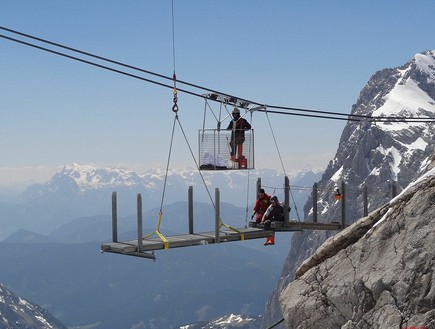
[(308, 54)]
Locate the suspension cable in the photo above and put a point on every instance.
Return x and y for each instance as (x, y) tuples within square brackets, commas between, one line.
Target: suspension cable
[(173, 34), (166, 172), (317, 114), (282, 164), (247, 189), (276, 144), (196, 163)]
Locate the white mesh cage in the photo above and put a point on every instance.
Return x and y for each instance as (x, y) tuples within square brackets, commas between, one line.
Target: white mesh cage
[(219, 151)]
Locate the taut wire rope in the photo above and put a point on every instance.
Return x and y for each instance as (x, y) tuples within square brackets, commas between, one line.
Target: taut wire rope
[(175, 110), (247, 189), (276, 144), (196, 163), (282, 164), (173, 35), (176, 119), (205, 184), (325, 114)]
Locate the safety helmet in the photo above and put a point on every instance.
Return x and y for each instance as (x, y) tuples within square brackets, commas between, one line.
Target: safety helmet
[(236, 111)]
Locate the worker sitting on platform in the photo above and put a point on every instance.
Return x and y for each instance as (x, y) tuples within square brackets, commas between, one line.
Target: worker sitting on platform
[(260, 206), (238, 126), (275, 212)]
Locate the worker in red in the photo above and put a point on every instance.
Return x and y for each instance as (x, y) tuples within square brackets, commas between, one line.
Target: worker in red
[(275, 212), (261, 206)]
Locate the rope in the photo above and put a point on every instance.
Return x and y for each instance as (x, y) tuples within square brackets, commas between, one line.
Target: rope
[(167, 163), (173, 34), (175, 110), (276, 145), (318, 114), (296, 207), (242, 236), (247, 189), (196, 163), (282, 164)]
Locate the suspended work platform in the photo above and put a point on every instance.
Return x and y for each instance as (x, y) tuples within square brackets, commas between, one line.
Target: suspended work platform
[(145, 246), (184, 240)]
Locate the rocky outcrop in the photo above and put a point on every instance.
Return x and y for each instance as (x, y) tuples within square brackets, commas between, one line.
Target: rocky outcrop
[(377, 273), (17, 313), (384, 157)]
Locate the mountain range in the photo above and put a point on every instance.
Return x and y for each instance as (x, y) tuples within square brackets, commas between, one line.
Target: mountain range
[(382, 158), (79, 191), (52, 257)]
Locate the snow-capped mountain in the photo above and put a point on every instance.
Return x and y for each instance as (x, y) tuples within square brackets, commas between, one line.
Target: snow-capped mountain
[(231, 321), (17, 313), (85, 190), (81, 179), (383, 156)]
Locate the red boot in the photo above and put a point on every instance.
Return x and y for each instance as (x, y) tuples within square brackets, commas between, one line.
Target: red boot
[(270, 241)]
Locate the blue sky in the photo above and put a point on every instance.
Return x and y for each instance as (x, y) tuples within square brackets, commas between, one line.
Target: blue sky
[(308, 54)]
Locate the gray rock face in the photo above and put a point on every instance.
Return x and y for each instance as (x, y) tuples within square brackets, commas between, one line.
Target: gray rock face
[(384, 157), (17, 313), (379, 156), (377, 273)]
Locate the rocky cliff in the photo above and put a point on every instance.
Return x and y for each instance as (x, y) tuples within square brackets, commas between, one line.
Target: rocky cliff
[(377, 273), (17, 313), (383, 157)]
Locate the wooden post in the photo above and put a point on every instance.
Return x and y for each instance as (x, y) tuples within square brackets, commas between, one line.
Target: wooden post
[(365, 197), (139, 224), (343, 205), (114, 218), (190, 210), (315, 203), (286, 201), (217, 215), (258, 186)]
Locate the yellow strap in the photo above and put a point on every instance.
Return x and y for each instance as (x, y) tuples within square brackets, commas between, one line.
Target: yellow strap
[(148, 235), (165, 241), (242, 235), (159, 234)]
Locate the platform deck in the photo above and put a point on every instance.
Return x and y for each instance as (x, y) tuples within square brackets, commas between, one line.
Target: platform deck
[(184, 240), (300, 226), (153, 243)]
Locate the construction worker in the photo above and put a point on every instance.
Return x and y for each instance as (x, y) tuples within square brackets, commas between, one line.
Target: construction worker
[(260, 206), (238, 126), (275, 212)]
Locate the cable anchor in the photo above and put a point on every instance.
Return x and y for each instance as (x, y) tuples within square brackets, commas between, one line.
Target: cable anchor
[(175, 106)]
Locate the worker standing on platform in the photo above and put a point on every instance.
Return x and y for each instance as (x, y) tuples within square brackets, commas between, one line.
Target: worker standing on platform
[(260, 206), (238, 126), (275, 212)]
